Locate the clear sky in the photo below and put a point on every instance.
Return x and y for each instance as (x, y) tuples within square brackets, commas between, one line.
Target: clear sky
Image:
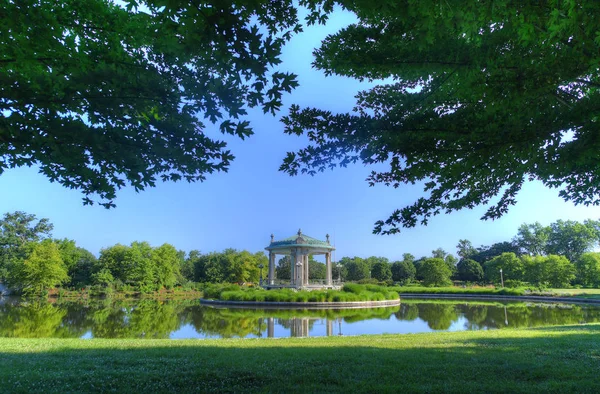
[(241, 208)]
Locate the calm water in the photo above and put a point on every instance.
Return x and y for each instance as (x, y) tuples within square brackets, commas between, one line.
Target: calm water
[(188, 319)]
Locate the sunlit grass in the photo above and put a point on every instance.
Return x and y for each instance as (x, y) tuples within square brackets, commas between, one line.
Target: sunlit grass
[(556, 359)]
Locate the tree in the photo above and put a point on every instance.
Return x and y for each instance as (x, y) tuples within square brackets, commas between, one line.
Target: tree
[(536, 270), (371, 261), (188, 265), (436, 272), (486, 253), (588, 269), (465, 249), (113, 259), (469, 270), (18, 229), (167, 263), (532, 238), (561, 272), (316, 270), (403, 271), (381, 271), (357, 268), (105, 94), (572, 239), (229, 266), (79, 262), (478, 98), (42, 270), (139, 267), (512, 268), (408, 258), (283, 269)]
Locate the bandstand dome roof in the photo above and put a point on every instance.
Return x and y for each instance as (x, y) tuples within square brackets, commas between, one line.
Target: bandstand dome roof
[(299, 240)]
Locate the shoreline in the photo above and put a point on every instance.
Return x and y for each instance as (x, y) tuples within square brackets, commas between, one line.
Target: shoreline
[(303, 305), (502, 297)]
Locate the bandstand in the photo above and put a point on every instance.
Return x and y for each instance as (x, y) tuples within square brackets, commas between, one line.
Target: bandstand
[(299, 247)]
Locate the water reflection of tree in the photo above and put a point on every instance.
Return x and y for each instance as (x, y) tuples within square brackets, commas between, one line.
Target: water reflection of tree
[(220, 322), (408, 312), (156, 319), (438, 316), (143, 319), (37, 319)]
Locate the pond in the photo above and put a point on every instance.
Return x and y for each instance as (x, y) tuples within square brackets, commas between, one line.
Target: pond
[(188, 319)]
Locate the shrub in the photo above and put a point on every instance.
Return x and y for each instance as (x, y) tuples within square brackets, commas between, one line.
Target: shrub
[(354, 288)]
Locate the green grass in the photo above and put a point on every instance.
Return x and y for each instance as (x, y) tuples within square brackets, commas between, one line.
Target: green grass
[(351, 292), (579, 293), (457, 290), (553, 359)]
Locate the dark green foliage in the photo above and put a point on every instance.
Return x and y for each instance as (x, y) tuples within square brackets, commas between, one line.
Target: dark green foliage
[(42, 270), (283, 268), (532, 239), (357, 268), (139, 265), (486, 253), (469, 271), (588, 269), (465, 249), (436, 272), (512, 268), (381, 271), (231, 266), (403, 271), (101, 94), (572, 239), (316, 270), (17, 229), (501, 85)]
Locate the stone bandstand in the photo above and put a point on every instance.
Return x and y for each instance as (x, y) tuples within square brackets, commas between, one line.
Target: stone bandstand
[(299, 247)]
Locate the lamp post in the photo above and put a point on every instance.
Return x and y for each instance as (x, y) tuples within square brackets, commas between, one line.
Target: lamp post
[(501, 278), (261, 278)]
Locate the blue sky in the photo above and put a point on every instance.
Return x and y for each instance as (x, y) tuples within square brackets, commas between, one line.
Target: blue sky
[(241, 208)]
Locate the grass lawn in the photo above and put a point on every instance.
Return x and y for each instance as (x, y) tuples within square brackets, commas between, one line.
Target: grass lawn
[(551, 359), (579, 293)]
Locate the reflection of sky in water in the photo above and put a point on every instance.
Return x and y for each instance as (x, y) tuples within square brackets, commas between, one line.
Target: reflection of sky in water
[(318, 328)]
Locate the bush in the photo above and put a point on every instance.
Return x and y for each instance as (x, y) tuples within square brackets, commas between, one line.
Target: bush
[(353, 292), (368, 281), (354, 288)]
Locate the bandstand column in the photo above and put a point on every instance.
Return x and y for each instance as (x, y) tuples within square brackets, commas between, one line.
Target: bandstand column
[(272, 268), (328, 269), (306, 269), (300, 273), (293, 267)]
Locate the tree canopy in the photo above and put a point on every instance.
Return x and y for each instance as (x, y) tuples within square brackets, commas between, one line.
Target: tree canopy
[(477, 98), (102, 94)]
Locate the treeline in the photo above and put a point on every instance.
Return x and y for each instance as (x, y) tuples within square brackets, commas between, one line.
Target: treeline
[(32, 262), (558, 255)]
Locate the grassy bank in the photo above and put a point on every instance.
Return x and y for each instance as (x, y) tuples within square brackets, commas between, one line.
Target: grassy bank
[(557, 359), (351, 292), (457, 290), (163, 294)]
